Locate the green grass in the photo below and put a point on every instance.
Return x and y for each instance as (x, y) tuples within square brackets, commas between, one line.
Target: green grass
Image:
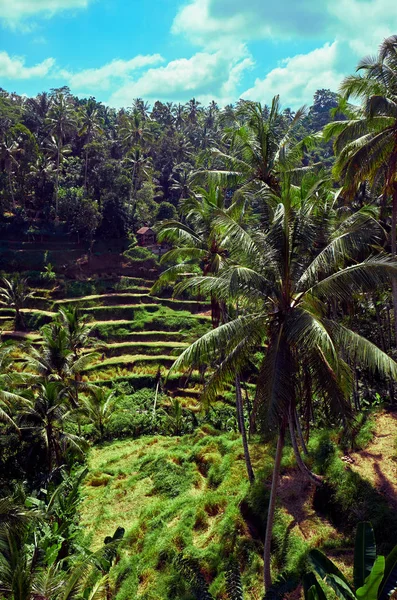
[(150, 336), (121, 312), (150, 348), (112, 299), (172, 495), (131, 361)]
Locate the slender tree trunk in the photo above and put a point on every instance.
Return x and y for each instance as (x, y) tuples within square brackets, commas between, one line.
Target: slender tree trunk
[(240, 418), (305, 470), (11, 189), (300, 434), (86, 170), (267, 577), (393, 251), (389, 336), (49, 446), (57, 177), (379, 321)]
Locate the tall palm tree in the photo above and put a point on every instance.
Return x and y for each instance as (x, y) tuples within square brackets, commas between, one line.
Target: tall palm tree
[(196, 243), (179, 113), (37, 109), (281, 280), (366, 143), (140, 165), (13, 293), (9, 150), (61, 121), (135, 131), (193, 110), (90, 128)]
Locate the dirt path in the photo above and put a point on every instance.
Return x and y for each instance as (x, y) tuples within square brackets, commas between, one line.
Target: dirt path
[(378, 462)]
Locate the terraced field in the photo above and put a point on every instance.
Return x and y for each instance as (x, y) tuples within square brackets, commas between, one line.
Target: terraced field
[(136, 335)]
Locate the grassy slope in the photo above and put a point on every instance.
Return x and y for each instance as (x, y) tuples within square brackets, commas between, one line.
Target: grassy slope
[(171, 494), (184, 495)]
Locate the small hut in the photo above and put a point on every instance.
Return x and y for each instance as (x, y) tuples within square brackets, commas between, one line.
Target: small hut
[(146, 236)]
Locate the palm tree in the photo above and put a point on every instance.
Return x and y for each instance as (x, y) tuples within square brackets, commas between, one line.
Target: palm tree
[(77, 327), (193, 110), (98, 408), (90, 127), (135, 131), (142, 107), (179, 114), (27, 572), (366, 144), (13, 293), (181, 178), (140, 169), (282, 280), (9, 150), (37, 109), (61, 121), (10, 401), (196, 243), (259, 147), (56, 360), (46, 417), (41, 171)]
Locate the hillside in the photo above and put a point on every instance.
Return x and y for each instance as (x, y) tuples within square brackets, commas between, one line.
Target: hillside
[(190, 496)]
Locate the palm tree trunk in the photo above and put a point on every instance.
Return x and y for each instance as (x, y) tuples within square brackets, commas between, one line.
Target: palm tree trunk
[(240, 418), (86, 170), (57, 177), (393, 251), (267, 577), (305, 470), (11, 189), (300, 434)]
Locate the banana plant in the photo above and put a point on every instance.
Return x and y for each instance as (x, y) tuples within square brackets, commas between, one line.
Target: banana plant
[(374, 577)]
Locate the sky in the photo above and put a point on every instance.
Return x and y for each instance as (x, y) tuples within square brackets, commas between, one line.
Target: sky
[(174, 50)]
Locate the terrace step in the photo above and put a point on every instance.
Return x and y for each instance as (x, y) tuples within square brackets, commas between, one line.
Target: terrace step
[(186, 393), (21, 336), (141, 348), (120, 311), (7, 312), (131, 361), (110, 299), (152, 336)]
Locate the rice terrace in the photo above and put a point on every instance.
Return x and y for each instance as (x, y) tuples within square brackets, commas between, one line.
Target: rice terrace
[(198, 305)]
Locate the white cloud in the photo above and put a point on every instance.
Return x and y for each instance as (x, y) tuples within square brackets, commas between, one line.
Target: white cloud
[(205, 75), (298, 77), (102, 77), (208, 21), (13, 67), (14, 11), (211, 21), (353, 28)]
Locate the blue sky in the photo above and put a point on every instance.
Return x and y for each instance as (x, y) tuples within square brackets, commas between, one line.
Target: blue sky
[(117, 50)]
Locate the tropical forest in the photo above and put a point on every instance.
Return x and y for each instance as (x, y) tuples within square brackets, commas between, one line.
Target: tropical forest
[(198, 345)]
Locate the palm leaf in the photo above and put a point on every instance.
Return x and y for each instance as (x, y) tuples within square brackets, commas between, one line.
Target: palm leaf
[(364, 553)]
